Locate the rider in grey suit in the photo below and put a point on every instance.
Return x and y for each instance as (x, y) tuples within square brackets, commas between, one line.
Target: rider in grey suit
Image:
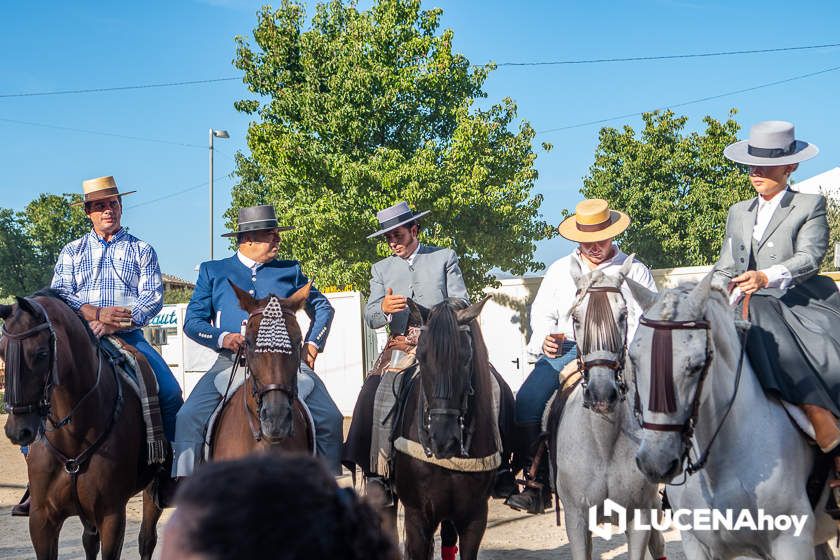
[(773, 248)]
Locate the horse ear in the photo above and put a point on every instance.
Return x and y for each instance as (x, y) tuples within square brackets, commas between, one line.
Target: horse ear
[(27, 307), (298, 299), (625, 268), (417, 314), (5, 311), (644, 296), (246, 301), (575, 271), (466, 316), (696, 301)]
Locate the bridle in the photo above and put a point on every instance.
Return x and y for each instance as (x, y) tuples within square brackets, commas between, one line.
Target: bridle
[(663, 381), (259, 390), (590, 360), (461, 413)]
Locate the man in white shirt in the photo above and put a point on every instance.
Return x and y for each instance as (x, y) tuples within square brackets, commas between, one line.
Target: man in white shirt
[(593, 226)]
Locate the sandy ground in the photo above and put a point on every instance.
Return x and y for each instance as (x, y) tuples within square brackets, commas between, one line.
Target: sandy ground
[(510, 535)]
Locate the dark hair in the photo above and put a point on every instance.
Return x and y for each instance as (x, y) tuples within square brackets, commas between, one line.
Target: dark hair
[(90, 202), (278, 506)]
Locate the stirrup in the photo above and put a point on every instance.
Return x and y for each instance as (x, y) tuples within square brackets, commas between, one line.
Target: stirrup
[(381, 490), (832, 504)]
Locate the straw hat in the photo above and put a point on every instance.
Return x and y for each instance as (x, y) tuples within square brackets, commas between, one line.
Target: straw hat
[(593, 221), (770, 143), (99, 188)]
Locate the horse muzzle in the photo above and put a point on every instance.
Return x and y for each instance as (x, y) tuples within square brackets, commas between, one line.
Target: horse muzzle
[(276, 418), (22, 429), (657, 465), (445, 436)]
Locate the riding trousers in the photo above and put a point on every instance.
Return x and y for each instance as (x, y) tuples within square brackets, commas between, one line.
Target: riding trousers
[(541, 383), (188, 447), (169, 391)]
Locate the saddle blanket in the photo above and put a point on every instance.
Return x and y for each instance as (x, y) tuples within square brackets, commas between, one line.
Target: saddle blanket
[(227, 388)]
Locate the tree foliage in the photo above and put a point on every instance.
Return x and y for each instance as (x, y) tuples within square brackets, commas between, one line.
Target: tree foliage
[(832, 212), (31, 240), (361, 109), (177, 295), (676, 187)]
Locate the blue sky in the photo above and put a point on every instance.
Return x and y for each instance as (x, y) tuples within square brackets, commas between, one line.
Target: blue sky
[(79, 45)]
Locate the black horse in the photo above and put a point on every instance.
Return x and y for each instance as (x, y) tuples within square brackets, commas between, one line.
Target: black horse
[(450, 414)]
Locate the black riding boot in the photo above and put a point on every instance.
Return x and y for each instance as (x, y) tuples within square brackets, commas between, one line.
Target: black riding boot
[(505, 484), (22, 508), (536, 494)]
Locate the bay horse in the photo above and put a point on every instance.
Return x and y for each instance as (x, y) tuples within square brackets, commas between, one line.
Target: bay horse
[(597, 435), (265, 413), (85, 429), (707, 418), (450, 413)]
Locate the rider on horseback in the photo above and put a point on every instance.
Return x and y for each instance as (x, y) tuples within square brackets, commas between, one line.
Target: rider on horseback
[(112, 279), (428, 275), (772, 251), (593, 227), (214, 319)]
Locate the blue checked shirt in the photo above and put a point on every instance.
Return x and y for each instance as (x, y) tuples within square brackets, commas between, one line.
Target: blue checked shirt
[(123, 271)]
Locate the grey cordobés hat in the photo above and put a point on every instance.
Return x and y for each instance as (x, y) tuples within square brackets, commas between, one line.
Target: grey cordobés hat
[(256, 218), (397, 215), (770, 143)]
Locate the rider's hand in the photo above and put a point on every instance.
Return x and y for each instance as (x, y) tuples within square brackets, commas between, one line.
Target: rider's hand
[(751, 281), (393, 304), (100, 329), (233, 342), (550, 347), (310, 355), (115, 316)]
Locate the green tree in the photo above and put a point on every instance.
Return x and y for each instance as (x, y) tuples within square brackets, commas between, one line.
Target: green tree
[(676, 187), (177, 295), (833, 216), (361, 109), (31, 240)]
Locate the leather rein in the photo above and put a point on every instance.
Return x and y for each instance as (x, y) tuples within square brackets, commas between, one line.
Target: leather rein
[(686, 429)]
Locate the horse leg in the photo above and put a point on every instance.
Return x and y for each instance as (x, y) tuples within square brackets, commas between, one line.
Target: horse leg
[(44, 530), (448, 540), (471, 531), (693, 548), (656, 544), (90, 539), (788, 546), (148, 527), (823, 552), (419, 535), (577, 530), (637, 543), (112, 533)]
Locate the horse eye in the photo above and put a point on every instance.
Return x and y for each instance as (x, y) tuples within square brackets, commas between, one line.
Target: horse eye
[(42, 354)]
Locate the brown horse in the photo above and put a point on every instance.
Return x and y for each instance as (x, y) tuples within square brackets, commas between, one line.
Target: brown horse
[(265, 412), (450, 413), (87, 452)]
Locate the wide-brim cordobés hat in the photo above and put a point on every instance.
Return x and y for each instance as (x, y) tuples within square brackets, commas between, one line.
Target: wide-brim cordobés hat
[(771, 143), (593, 221), (256, 218), (395, 216), (99, 188)]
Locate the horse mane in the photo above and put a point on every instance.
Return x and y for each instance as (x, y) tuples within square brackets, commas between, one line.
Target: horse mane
[(482, 380), (54, 295), (601, 330), (444, 348)]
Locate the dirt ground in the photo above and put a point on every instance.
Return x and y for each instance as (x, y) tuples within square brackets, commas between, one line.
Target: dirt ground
[(510, 535)]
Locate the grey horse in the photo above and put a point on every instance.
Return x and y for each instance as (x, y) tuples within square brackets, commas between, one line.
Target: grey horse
[(597, 436), (759, 461)]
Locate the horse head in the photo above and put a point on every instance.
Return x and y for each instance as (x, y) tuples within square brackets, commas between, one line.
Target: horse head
[(273, 343), (447, 356), (672, 353), (28, 350), (599, 317)]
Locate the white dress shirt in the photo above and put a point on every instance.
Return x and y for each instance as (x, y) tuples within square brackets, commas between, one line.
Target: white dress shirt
[(553, 303), (777, 275)]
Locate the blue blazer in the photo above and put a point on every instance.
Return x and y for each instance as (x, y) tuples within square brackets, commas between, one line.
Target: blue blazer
[(214, 308)]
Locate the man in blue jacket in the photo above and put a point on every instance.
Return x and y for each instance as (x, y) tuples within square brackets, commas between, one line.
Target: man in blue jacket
[(214, 319)]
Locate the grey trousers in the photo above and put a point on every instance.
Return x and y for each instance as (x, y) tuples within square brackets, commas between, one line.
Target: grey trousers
[(188, 447)]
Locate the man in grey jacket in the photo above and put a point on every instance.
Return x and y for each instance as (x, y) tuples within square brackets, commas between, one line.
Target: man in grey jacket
[(426, 274)]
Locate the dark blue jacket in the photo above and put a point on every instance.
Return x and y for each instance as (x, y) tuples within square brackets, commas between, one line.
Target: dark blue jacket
[(214, 308)]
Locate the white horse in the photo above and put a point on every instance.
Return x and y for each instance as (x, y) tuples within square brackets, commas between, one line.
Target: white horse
[(757, 461), (598, 436)]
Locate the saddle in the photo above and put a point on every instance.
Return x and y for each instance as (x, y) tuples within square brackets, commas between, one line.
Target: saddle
[(136, 372)]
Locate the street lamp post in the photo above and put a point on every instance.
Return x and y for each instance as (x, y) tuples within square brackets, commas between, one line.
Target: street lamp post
[(217, 134)]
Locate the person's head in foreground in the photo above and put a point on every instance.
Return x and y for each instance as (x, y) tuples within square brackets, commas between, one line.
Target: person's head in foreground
[(270, 506)]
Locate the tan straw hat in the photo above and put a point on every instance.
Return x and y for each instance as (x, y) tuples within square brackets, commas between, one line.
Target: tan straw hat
[(99, 188), (593, 221)]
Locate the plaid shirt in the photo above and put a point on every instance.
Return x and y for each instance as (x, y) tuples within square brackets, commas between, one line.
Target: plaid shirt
[(122, 271)]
